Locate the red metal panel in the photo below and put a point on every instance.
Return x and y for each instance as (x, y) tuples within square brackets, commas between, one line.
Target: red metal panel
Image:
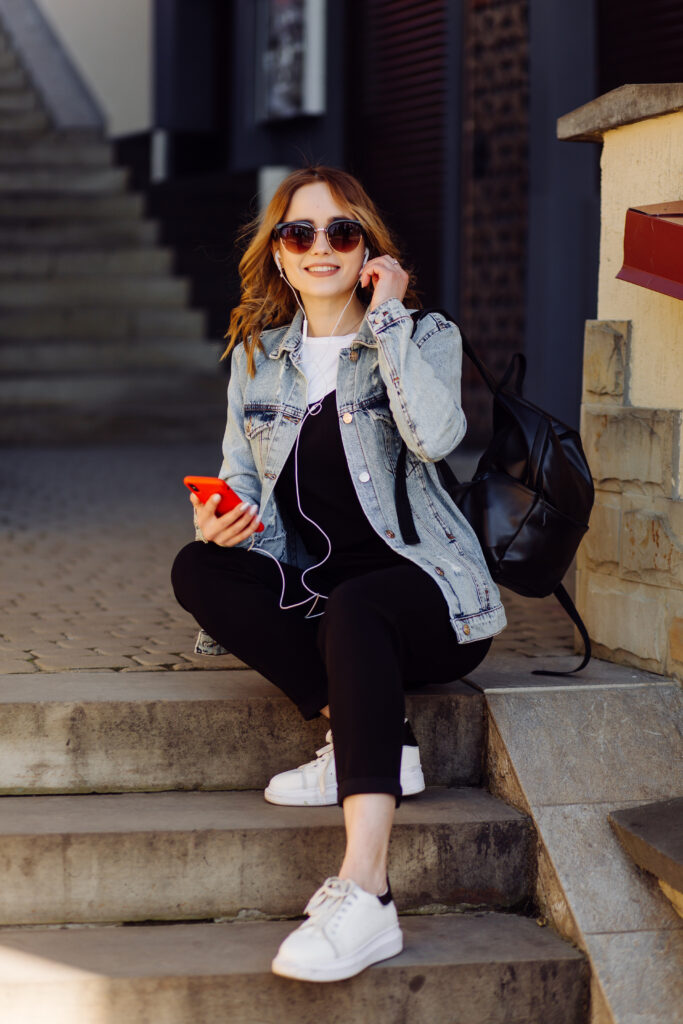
[(653, 248)]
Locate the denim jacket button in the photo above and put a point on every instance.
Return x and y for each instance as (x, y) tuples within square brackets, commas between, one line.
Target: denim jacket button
[(347, 417), (390, 534), (466, 630), (364, 477), (353, 355), (439, 571)]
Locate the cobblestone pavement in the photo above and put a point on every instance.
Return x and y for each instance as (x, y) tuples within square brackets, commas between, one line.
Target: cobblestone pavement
[(87, 538)]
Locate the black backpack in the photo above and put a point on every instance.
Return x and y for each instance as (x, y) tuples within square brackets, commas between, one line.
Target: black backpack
[(530, 498)]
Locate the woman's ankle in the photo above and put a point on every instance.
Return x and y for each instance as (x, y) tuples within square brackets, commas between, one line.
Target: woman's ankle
[(374, 882)]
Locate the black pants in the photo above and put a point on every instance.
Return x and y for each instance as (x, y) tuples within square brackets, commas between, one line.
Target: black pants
[(380, 632)]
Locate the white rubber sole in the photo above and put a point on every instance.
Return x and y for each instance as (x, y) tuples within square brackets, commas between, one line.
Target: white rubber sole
[(381, 947), (412, 782)]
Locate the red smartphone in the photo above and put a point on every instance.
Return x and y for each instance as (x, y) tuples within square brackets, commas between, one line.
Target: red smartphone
[(205, 486)]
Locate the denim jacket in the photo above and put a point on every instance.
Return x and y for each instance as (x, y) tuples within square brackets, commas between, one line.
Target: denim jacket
[(391, 384)]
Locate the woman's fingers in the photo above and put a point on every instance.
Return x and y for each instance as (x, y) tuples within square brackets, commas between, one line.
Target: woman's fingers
[(238, 529), (388, 278), (229, 528)]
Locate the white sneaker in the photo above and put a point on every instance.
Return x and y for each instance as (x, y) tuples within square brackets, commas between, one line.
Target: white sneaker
[(347, 930), (314, 784)]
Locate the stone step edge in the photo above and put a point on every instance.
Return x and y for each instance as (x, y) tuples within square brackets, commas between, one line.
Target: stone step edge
[(154, 857), (194, 973), (448, 722)]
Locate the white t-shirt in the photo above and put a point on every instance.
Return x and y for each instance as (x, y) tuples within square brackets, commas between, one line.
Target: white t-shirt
[(319, 361)]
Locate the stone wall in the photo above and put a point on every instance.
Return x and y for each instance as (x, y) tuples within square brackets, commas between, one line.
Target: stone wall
[(630, 566)]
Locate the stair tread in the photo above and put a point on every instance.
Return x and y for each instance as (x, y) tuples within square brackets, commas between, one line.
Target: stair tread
[(122, 687), (226, 811), (220, 949)]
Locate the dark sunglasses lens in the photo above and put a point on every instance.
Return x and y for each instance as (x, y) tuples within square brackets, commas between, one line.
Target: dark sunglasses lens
[(344, 235), (297, 238)]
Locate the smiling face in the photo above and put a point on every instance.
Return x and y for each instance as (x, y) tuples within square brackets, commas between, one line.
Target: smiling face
[(321, 273)]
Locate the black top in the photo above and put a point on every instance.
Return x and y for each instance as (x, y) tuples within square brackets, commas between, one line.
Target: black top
[(327, 495)]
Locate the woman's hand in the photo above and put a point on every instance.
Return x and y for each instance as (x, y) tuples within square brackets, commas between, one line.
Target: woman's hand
[(389, 279), (229, 529)]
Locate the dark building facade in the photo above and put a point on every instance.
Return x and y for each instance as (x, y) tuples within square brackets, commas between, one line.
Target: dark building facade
[(446, 110)]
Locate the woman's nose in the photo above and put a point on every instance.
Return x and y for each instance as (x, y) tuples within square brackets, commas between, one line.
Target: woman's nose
[(321, 244)]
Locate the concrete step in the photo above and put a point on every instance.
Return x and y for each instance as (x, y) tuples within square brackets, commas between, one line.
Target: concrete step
[(56, 151), (482, 968), (454, 968), (97, 235), (101, 322), (60, 263), (63, 180), (195, 411), (87, 390), (14, 209), (84, 732), (8, 59), (179, 856), (652, 834), (23, 121), (17, 101), (12, 78), (78, 357), (91, 290)]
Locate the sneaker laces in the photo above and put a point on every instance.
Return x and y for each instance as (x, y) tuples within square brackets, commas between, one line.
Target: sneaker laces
[(325, 902), (321, 760)]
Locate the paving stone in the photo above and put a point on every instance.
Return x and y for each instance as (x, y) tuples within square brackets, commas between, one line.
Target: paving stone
[(16, 665), (79, 660)]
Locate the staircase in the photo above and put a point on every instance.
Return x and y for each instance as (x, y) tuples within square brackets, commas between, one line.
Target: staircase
[(97, 340), (133, 818)]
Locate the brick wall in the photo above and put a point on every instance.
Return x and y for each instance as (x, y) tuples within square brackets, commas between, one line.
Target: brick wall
[(494, 193)]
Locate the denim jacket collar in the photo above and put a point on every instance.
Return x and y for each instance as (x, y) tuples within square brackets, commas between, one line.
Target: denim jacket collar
[(291, 337)]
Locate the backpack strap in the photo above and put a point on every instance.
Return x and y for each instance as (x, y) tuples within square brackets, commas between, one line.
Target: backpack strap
[(568, 605), (404, 512)]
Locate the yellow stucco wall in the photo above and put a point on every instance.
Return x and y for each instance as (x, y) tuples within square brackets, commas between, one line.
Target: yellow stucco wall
[(642, 164), (110, 43)]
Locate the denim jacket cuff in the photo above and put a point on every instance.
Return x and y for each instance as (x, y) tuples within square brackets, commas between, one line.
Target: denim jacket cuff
[(387, 313)]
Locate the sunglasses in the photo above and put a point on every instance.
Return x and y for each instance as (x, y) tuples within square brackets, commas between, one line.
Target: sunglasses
[(298, 236)]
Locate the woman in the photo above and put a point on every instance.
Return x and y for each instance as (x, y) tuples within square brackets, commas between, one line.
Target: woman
[(328, 377)]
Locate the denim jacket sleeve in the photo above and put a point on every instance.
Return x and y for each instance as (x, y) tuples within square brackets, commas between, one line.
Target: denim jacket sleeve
[(238, 468), (422, 374)]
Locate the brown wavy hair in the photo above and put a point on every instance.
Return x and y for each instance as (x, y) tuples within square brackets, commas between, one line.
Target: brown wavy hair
[(265, 299)]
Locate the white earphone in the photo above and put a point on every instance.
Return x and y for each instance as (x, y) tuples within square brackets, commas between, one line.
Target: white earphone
[(278, 261), (366, 257)]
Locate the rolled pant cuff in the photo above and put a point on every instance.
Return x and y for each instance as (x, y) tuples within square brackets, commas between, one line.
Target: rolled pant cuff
[(352, 787)]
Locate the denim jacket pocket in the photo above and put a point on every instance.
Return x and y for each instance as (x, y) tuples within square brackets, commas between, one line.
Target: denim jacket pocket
[(259, 422)]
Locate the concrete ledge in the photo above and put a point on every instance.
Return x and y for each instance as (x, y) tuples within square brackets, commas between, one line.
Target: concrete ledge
[(625, 105), (569, 754), (652, 834)]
